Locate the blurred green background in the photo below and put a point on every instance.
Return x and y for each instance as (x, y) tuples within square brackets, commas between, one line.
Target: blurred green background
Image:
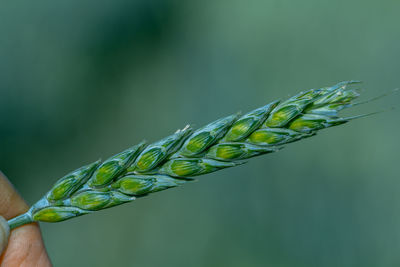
[(81, 80)]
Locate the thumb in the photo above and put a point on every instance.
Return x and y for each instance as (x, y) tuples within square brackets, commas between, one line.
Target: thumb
[(4, 233)]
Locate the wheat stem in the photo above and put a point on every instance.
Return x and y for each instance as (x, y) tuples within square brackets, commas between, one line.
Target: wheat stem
[(20, 220)]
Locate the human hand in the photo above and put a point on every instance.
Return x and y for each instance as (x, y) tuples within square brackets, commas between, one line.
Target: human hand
[(25, 245)]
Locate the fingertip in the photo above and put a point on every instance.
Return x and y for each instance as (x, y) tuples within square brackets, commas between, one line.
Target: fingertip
[(11, 203)]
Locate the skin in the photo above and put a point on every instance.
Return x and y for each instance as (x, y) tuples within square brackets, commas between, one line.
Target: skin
[(25, 245)]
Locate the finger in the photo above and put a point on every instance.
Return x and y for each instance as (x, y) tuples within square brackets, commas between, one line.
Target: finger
[(25, 248), (25, 245), (11, 203), (4, 233)]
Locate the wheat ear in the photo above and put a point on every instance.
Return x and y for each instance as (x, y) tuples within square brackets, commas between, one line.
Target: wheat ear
[(174, 160)]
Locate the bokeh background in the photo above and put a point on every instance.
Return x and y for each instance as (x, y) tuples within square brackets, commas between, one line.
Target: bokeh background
[(81, 80)]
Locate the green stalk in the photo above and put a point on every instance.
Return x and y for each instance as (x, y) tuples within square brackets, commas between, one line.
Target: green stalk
[(20, 220)]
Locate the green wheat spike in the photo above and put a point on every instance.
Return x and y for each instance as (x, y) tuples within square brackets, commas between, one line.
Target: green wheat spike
[(174, 160)]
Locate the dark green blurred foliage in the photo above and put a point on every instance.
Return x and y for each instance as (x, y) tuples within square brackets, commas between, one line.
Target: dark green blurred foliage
[(81, 80)]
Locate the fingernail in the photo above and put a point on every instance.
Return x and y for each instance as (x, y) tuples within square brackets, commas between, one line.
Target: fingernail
[(4, 232)]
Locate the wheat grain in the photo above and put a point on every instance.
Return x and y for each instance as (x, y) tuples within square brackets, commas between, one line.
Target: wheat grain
[(174, 160)]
